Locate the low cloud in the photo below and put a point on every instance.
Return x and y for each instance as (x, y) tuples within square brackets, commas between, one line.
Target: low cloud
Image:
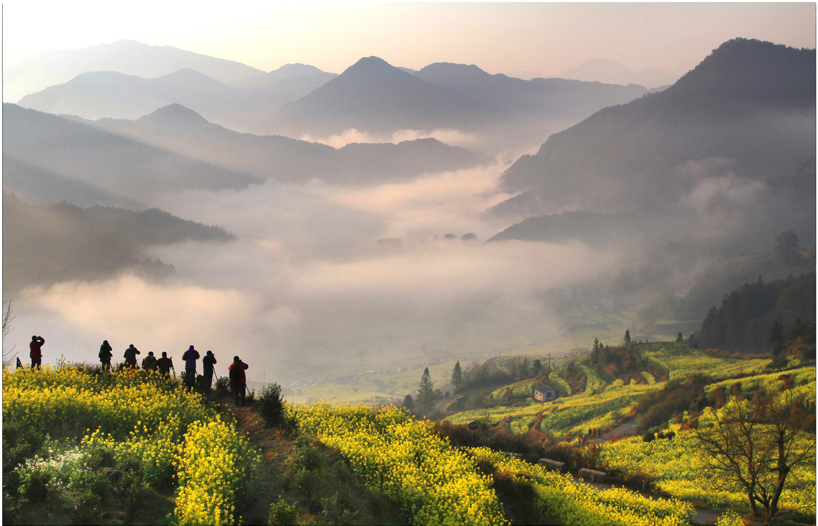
[(448, 136), (306, 287), (722, 193)]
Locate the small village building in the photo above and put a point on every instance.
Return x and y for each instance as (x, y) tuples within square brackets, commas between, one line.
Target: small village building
[(545, 393)]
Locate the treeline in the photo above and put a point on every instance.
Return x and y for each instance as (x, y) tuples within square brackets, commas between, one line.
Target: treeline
[(491, 373), (762, 317)]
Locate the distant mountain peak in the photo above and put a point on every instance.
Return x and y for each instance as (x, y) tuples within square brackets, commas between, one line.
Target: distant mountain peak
[(369, 65), (295, 70), (173, 114)]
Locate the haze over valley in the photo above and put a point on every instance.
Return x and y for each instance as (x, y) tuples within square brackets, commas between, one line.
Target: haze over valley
[(390, 214)]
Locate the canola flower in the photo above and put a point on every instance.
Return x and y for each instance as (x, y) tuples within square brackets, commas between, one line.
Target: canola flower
[(577, 504), (138, 415), (434, 482), (680, 471)]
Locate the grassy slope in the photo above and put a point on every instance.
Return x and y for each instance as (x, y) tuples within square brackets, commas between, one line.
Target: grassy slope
[(573, 414)]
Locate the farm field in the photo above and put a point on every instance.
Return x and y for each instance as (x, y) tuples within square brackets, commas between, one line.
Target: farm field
[(681, 472), (591, 408)]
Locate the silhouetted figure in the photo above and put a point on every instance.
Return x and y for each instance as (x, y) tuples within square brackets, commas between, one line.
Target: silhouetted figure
[(19, 363), (149, 362), (36, 353), (207, 365), (130, 356), (238, 380), (165, 364), (105, 354), (190, 357)]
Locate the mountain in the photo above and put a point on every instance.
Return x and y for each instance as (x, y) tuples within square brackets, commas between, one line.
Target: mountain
[(610, 72), (110, 94), (43, 245), (287, 71), (124, 56), (183, 131), (747, 110), (81, 155), (538, 98), (374, 97), (116, 95)]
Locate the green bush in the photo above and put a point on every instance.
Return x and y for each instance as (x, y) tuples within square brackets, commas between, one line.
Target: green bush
[(270, 405), (282, 513)]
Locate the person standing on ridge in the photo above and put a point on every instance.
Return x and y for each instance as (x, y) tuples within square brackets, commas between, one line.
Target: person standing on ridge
[(149, 362), (130, 356), (36, 353), (105, 354), (238, 380), (190, 357), (207, 364), (165, 364)]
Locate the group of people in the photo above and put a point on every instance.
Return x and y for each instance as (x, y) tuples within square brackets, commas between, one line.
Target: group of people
[(164, 365), (236, 375)]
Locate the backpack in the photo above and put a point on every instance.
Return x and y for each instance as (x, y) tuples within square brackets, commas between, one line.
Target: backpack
[(235, 372)]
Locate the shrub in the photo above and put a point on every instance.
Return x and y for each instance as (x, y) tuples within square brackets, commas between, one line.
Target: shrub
[(282, 513), (270, 405)]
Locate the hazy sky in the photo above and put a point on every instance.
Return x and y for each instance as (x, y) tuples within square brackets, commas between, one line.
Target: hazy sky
[(545, 38)]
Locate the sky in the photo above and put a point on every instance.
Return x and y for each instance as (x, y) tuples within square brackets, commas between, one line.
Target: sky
[(542, 38)]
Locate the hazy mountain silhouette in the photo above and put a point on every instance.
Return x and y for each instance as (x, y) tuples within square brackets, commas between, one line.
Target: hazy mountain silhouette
[(374, 97), (124, 56), (183, 131), (748, 108), (537, 98), (287, 71), (610, 72), (43, 245), (116, 95), (111, 164), (37, 185), (108, 94)]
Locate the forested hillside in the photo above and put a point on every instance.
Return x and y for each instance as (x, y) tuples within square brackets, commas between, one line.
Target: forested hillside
[(60, 242)]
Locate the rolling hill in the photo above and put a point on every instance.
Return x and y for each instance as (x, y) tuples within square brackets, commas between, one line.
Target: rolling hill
[(113, 165), (289, 160)]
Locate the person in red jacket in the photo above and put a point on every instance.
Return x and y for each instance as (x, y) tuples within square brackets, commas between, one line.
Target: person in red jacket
[(36, 354), (238, 380)]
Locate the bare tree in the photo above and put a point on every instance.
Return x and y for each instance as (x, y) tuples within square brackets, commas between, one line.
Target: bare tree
[(754, 445), (8, 354)]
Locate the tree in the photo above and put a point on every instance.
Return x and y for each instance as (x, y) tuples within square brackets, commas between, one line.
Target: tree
[(680, 338), (596, 344), (457, 375), (776, 339), (754, 445), (537, 367), (426, 392), (8, 354), (408, 403), (627, 338)]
